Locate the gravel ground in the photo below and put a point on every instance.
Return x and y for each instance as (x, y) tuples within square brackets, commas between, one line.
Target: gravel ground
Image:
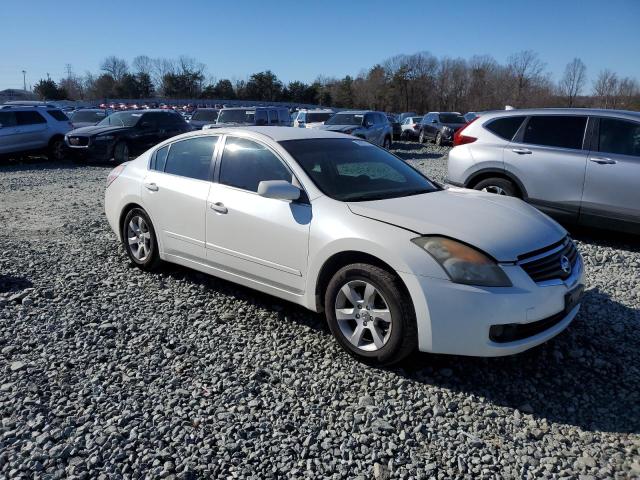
[(107, 372)]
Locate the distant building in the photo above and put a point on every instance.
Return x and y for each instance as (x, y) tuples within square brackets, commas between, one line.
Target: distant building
[(15, 94)]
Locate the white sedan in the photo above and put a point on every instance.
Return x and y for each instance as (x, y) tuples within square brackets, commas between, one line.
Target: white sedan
[(340, 226)]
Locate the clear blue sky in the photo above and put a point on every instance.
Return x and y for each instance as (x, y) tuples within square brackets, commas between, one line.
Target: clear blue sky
[(297, 39)]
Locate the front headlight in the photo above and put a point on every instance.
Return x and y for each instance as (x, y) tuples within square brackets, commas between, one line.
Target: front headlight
[(464, 264), (105, 137)]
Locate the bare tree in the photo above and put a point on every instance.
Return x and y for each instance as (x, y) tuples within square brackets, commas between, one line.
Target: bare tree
[(572, 83), (527, 70), (142, 64), (114, 66), (605, 87)]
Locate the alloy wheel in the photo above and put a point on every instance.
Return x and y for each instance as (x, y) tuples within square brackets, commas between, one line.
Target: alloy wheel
[(139, 238), (494, 189), (363, 315)]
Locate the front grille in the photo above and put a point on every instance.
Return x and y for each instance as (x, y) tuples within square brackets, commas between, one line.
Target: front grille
[(517, 331), (550, 263), (78, 141)]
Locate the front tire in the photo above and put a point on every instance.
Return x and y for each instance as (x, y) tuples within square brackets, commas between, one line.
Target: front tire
[(421, 138), (56, 149), (370, 314), (439, 139), (386, 143), (497, 185), (139, 239)]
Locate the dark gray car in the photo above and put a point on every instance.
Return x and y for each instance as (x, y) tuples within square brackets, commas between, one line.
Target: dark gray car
[(368, 125), (202, 117), (440, 127)]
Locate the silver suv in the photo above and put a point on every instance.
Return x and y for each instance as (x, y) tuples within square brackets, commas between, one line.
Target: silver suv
[(368, 125), (577, 165), (26, 129)]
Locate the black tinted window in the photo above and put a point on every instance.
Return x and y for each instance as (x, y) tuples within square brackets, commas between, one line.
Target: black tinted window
[(556, 131), (7, 119), (29, 118), (505, 127), (261, 117), (58, 115), (619, 136), (246, 163), (273, 117), (191, 158)]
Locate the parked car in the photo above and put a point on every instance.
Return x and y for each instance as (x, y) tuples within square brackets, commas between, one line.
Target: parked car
[(410, 128), (31, 129), (125, 133), (577, 165), (88, 116), (395, 262), (312, 118), (260, 116), (404, 115), (440, 127), (203, 116), (395, 125), (368, 125), (471, 116)]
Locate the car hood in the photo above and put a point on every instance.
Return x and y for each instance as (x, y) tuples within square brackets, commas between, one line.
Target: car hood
[(82, 124), (503, 227), (97, 129), (339, 128)]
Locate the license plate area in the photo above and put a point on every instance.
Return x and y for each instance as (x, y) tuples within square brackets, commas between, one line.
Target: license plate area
[(573, 298)]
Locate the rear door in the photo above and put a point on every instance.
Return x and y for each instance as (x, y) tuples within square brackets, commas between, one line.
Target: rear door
[(175, 192), (612, 182), (548, 155), (33, 129)]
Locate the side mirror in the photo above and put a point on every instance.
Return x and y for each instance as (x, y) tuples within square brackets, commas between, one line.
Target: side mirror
[(368, 124), (278, 189), (434, 121), (1, 125), (145, 125)]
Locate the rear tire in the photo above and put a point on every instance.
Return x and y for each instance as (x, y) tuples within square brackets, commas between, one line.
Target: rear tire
[(421, 138), (438, 141), (386, 143), (377, 320), (498, 185), (121, 152), (139, 239), (56, 149)]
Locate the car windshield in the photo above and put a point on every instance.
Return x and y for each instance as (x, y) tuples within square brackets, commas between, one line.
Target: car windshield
[(122, 119), (345, 119), (205, 115), (237, 116), (452, 118), (88, 116), (415, 120), (354, 170), (318, 117)]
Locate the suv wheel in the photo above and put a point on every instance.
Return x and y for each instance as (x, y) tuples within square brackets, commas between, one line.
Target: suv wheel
[(386, 143), (370, 315), (497, 185), (421, 136), (139, 239), (439, 139), (121, 152), (56, 149)]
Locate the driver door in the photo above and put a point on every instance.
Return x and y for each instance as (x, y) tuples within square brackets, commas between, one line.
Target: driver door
[(259, 238)]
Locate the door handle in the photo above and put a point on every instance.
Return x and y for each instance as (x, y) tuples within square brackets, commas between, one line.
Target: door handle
[(522, 151), (151, 186), (219, 207), (603, 160)]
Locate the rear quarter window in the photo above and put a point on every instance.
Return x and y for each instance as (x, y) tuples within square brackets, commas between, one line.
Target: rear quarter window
[(58, 115), (505, 127)]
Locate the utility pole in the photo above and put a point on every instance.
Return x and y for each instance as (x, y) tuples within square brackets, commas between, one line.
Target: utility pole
[(24, 80), (68, 69)]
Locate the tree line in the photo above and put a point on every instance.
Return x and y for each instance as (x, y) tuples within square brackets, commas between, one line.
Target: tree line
[(419, 82)]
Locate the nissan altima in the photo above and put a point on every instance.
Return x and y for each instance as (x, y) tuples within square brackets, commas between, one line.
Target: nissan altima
[(331, 222)]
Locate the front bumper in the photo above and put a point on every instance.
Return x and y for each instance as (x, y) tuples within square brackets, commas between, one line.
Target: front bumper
[(457, 319), (96, 150)]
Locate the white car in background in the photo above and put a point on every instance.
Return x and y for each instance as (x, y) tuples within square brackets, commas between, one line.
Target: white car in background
[(410, 127), (314, 118), (341, 226)]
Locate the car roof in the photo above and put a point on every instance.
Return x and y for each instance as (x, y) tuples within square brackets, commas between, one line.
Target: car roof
[(360, 112), (277, 134), (565, 111)]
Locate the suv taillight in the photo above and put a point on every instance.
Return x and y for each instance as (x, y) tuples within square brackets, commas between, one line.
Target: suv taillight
[(115, 173), (460, 139)]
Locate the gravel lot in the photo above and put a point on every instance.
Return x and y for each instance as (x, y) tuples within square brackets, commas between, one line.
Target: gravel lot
[(107, 372)]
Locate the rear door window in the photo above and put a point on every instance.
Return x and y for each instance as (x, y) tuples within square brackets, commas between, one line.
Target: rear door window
[(505, 127), (563, 131), (191, 158), (58, 115), (619, 137), (261, 117), (7, 119), (29, 118), (273, 117)]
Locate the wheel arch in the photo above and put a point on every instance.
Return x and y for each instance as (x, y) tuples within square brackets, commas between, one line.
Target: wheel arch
[(494, 172), (123, 213), (341, 259)]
